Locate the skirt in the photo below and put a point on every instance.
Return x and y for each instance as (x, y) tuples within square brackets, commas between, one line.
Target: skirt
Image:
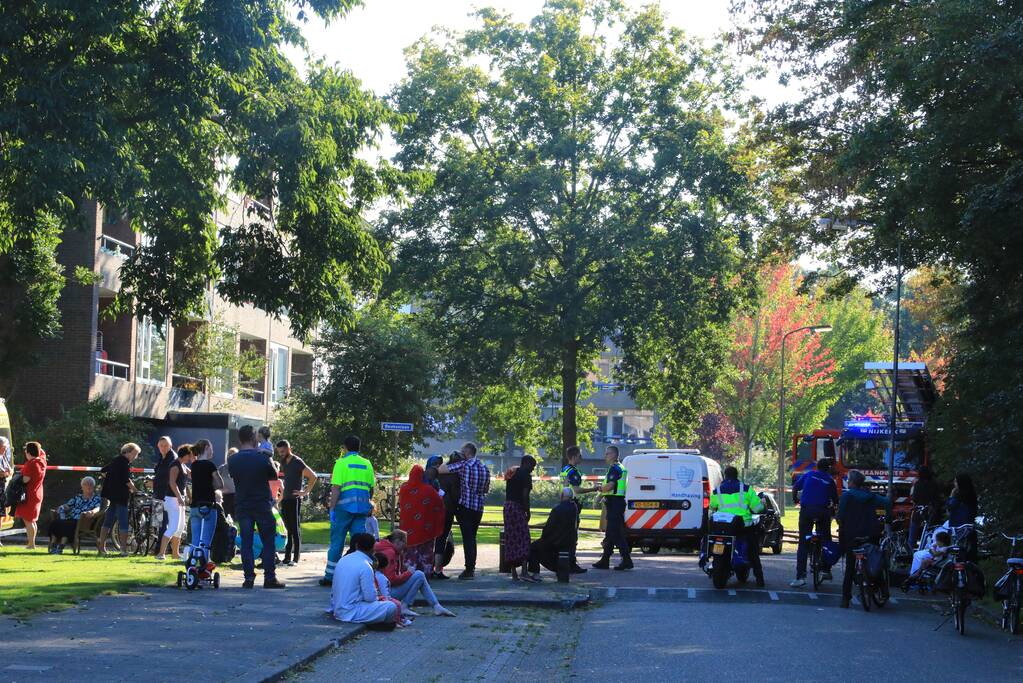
[(420, 557), (516, 533)]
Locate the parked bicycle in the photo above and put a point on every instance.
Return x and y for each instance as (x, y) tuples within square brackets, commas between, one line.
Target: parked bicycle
[(959, 594), (871, 590), (1010, 587)]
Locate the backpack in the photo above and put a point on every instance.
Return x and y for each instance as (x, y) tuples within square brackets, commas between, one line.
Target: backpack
[(876, 562), (15, 493), (222, 548)]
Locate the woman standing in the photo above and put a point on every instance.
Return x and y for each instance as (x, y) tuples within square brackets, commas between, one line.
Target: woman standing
[(516, 516), (33, 472), (117, 488), (174, 503), (422, 517), (69, 513), (206, 481)]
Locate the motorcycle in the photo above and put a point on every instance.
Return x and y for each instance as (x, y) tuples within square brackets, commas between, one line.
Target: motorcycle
[(725, 548)]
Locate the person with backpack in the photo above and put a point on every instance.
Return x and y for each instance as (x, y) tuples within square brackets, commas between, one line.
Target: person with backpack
[(857, 518)]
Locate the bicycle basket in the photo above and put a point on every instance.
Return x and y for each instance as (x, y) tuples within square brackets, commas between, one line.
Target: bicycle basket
[(975, 582), (1001, 587), (876, 562), (946, 579)]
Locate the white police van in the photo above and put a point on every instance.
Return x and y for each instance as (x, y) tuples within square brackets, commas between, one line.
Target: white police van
[(667, 495)]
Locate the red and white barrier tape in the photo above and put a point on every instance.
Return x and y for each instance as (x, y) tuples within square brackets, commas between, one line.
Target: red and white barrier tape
[(83, 468)]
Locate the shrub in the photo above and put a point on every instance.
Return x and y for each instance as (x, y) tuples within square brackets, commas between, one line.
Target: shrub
[(88, 434)]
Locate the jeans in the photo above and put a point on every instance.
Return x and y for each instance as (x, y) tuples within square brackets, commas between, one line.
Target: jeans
[(119, 511), (615, 534), (469, 523), (341, 524), (291, 513), (248, 521), (204, 523), (808, 519), (408, 591)]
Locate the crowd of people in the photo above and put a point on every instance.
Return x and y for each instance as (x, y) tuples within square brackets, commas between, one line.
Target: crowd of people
[(375, 580)]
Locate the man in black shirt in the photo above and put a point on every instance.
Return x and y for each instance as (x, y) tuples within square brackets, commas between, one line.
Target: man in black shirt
[(252, 472), (117, 488), (295, 470)]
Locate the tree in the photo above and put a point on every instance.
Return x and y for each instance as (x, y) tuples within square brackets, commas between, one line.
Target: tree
[(383, 369), (932, 304), (582, 180), (909, 121), (715, 436), (156, 110), (90, 433), (749, 391), (212, 357)]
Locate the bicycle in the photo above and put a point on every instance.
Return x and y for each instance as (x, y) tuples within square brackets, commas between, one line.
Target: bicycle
[(816, 557), (1014, 586), (871, 591), (959, 597)]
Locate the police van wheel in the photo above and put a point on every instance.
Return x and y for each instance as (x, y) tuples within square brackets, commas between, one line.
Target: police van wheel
[(650, 549)]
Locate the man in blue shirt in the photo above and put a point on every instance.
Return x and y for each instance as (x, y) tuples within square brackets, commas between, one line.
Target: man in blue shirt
[(252, 472), (817, 494)]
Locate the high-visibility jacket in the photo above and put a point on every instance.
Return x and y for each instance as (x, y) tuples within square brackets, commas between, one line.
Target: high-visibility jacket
[(619, 489), (570, 476), (737, 498), (353, 474)]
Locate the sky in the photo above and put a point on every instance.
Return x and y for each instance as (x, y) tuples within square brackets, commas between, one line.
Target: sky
[(370, 40)]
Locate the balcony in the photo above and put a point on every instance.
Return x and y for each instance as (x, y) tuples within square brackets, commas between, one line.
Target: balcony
[(115, 247), (110, 368)]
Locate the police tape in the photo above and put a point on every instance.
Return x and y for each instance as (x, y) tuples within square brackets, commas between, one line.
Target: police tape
[(84, 468)]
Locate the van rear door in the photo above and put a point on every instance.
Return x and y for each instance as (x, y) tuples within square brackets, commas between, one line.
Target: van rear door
[(687, 489), (649, 493)]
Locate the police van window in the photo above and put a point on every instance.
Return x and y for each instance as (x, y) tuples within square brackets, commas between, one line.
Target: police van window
[(804, 451)]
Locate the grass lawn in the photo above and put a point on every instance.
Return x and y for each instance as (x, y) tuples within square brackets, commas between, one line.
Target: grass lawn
[(34, 581)]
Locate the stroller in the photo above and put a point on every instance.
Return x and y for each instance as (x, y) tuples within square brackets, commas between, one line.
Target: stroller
[(199, 568)]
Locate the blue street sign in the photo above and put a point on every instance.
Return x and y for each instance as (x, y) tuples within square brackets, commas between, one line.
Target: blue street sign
[(396, 426)]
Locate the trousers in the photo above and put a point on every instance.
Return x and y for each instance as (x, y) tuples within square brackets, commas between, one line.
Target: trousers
[(341, 525), (291, 513), (248, 522), (614, 537), (415, 584)]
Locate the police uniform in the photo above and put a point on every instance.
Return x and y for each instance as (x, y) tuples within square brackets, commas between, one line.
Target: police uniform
[(571, 477), (737, 498), (614, 503), (353, 475)]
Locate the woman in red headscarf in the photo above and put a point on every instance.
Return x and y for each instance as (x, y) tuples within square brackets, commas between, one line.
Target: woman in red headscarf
[(421, 516)]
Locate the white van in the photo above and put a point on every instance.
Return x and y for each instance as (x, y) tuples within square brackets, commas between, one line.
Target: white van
[(667, 494)]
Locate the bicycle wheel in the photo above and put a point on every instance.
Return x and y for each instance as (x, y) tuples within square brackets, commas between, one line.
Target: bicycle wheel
[(1012, 610), (817, 566), (880, 592), (865, 592), (959, 611)]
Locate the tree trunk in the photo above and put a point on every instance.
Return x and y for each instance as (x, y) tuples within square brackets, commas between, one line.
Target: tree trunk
[(569, 386)]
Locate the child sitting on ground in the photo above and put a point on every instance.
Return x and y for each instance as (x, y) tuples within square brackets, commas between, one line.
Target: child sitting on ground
[(372, 523), (937, 550), (383, 586)]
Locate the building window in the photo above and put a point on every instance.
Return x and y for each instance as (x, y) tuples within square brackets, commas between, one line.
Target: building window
[(151, 352), (278, 372)]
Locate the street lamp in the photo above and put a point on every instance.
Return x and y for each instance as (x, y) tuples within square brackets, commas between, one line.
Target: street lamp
[(813, 329), (843, 225)]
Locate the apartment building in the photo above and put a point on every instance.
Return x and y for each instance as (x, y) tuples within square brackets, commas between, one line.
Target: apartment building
[(138, 367)]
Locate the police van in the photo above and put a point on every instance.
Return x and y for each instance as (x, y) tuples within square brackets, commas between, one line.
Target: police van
[(667, 494)]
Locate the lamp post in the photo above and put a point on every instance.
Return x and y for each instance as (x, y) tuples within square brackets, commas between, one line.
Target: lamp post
[(893, 413), (813, 329)]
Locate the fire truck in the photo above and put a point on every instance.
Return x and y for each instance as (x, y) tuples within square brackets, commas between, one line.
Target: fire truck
[(864, 442)]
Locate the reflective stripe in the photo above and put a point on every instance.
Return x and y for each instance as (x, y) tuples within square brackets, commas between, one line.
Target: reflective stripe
[(347, 484), (357, 466)]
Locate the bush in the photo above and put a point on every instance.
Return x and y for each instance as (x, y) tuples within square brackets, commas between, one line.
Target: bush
[(546, 494), (88, 434)]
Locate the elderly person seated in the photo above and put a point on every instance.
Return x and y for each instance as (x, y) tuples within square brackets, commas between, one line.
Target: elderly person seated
[(353, 595), (559, 535), (66, 523), (406, 583)]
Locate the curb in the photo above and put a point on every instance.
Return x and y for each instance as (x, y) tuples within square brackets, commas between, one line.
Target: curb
[(573, 602)]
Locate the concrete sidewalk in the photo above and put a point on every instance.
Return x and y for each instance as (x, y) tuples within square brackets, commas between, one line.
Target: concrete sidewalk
[(229, 634)]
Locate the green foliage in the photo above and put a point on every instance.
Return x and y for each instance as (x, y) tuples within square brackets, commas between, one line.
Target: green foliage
[(140, 105), (581, 180), (383, 369), (88, 434), (910, 122), (212, 356)]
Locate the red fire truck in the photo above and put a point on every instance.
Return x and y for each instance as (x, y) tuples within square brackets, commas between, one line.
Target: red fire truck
[(864, 441)]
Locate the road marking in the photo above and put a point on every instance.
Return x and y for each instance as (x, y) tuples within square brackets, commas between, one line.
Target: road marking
[(651, 591), (38, 668), (813, 596), (611, 592), (692, 593), (774, 596), (731, 592)]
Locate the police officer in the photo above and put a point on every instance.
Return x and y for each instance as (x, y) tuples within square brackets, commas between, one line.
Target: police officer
[(572, 478), (351, 489), (614, 503), (740, 499)]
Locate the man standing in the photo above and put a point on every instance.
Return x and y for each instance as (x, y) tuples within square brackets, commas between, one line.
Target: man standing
[(252, 472), (614, 503), (351, 487), (475, 484), (737, 498), (161, 484), (816, 493), (572, 478), (857, 518), (560, 533), (295, 471)]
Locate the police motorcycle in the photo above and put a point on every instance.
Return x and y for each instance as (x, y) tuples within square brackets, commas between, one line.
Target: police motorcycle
[(724, 551)]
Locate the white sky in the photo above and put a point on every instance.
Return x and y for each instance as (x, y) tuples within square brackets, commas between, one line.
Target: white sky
[(370, 40)]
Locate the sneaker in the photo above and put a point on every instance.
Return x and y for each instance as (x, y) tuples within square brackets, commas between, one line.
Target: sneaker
[(248, 583), (59, 550), (439, 611), (797, 583), (467, 575), (52, 550), (326, 582), (601, 564), (439, 576), (273, 583), (158, 557), (578, 570), (404, 622)]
